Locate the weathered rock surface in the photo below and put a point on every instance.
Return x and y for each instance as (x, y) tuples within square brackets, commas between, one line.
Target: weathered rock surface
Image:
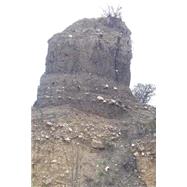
[(87, 128), (82, 60), (92, 46)]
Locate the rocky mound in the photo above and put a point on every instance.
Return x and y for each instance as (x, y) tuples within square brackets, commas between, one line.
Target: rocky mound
[(87, 128), (90, 58)]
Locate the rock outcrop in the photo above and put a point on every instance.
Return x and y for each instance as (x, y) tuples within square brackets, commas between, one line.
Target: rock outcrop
[(82, 60), (87, 128)]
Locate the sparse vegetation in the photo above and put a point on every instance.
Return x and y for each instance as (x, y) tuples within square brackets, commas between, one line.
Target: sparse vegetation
[(144, 92), (111, 12)]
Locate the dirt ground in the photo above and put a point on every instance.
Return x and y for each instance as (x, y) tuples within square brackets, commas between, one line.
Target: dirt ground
[(74, 148)]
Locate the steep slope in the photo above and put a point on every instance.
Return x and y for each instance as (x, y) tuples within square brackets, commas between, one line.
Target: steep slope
[(87, 128)]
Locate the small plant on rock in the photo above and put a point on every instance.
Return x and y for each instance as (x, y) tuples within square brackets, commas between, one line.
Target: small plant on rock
[(111, 12)]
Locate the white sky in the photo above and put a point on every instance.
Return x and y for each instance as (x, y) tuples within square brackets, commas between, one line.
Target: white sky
[(159, 36)]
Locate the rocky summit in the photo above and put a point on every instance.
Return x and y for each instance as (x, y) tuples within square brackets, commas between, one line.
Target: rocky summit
[(88, 130)]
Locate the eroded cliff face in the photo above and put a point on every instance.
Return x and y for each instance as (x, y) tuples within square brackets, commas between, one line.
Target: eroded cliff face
[(92, 46), (82, 61), (87, 128)]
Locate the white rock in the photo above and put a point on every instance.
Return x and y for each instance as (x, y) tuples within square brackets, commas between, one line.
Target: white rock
[(49, 123), (143, 153), (107, 168), (46, 137), (67, 139), (53, 161), (80, 136), (70, 36), (100, 98), (106, 86), (97, 144), (136, 154), (47, 96), (132, 145), (67, 171), (52, 128), (115, 88), (65, 124), (70, 129), (113, 101), (116, 70)]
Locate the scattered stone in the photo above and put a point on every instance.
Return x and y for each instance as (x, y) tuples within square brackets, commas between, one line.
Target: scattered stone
[(70, 36), (106, 86), (142, 153), (132, 145), (46, 137), (115, 88), (107, 168), (47, 181), (49, 123), (67, 139), (136, 154), (112, 101), (97, 144), (53, 161), (146, 107), (70, 129), (47, 96), (100, 98), (67, 171), (52, 128)]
